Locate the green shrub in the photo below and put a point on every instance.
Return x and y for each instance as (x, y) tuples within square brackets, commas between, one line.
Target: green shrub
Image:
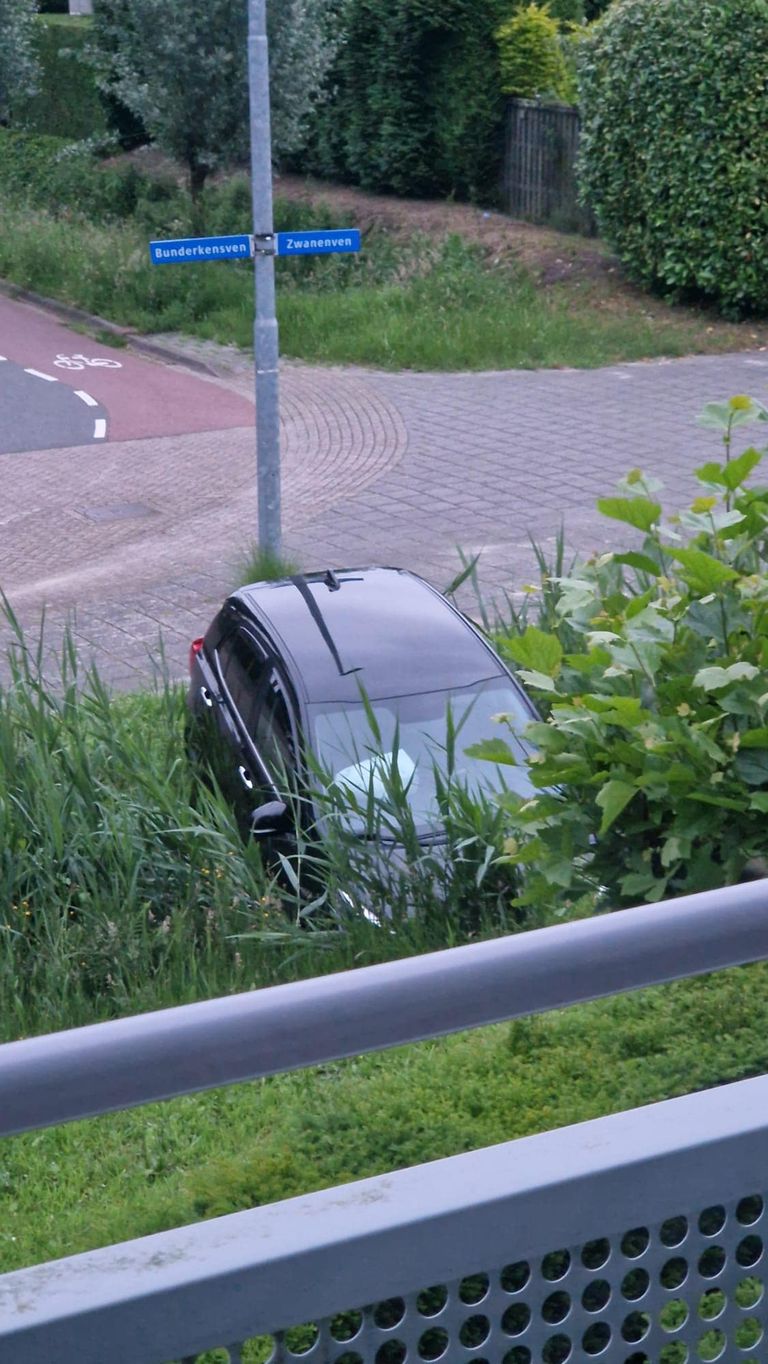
[(58, 175), (566, 11), (414, 103), (532, 62), (651, 664), (67, 103), (675, 144)]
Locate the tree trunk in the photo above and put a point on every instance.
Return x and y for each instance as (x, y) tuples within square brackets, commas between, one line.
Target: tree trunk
[(197, 177)]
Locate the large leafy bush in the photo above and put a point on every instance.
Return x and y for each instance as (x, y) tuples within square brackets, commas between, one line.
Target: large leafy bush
[(653, 667), (415, 102), (675, 144)]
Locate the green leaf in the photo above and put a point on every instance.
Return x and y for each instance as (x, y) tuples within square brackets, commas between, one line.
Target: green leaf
[(643, 562), (638, 883), (673, 850), (759, 802), (711, 473), (596, 659), (532, 678), (712, 679), (612, 799), (752, 767), (734, 412), (738, 469), (639, 512), (703, 571), (754, 738), (492, 751), (618, 710), (537, 650), (722, 802)]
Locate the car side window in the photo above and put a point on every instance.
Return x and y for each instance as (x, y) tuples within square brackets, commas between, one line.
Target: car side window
[(272, 730), (244, 670)]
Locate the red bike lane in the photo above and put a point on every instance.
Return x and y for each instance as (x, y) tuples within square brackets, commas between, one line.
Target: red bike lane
[(141, 397)]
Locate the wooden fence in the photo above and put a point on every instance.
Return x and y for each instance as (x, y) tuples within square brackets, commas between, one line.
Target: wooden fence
[(539, 177)]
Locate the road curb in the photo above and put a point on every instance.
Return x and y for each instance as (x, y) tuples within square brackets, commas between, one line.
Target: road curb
[(159, 350), (142, 345)]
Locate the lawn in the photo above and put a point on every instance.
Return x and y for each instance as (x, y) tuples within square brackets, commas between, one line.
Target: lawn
[(91, 1183)]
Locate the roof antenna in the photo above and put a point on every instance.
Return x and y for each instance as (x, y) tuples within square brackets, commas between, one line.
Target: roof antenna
[(331, 581)]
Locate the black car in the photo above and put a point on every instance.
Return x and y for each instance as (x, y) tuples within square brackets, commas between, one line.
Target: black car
[(297, 676)]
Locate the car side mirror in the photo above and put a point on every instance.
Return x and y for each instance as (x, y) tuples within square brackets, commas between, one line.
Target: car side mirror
[(270, 818)]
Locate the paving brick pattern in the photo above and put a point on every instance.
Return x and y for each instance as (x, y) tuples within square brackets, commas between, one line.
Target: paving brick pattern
[(399, 468)]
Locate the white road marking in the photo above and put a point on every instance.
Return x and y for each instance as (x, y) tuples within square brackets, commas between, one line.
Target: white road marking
[(38, 373), (99, 428), (85, 398)]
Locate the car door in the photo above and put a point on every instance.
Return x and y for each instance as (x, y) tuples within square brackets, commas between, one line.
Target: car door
[(212, 737), (243, 666)]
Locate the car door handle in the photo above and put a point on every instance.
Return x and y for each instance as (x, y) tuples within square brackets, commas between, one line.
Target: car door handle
[(245, 778), (207, 698)]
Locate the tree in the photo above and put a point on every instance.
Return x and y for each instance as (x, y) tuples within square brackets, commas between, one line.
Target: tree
[(18, 60), (181, 69)]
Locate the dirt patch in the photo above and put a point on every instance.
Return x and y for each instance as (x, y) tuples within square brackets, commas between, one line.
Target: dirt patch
[(551, 256)]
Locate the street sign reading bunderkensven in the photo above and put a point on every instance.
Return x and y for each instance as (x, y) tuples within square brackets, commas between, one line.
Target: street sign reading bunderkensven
[(201, 248), (327, 242)]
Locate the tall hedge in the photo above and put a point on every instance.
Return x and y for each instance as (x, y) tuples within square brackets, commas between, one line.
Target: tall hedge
[(674, 103), (415, 102), (67, 103)]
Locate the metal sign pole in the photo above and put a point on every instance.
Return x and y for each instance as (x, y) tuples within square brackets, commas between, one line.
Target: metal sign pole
[(265, 339)]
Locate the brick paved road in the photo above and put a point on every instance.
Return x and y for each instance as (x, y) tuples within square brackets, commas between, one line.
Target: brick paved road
[(141, 537)]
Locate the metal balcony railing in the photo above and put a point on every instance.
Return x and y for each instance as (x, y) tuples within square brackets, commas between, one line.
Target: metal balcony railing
[(633, 1238)]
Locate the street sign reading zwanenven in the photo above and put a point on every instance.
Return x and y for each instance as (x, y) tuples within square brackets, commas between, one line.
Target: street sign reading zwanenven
[(333, 240)]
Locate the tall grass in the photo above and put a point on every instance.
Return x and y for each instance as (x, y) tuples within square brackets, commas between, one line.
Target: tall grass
[(116, 893), (418, 305), (125, 884)]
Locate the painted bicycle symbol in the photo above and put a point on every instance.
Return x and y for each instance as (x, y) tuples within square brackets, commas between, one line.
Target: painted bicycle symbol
[(82, 362)]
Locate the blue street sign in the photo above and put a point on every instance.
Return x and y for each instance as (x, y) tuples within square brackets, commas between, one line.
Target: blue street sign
[(332, 240), (189, 249)]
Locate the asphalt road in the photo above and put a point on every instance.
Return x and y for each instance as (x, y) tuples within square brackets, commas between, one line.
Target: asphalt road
[(37, 413)]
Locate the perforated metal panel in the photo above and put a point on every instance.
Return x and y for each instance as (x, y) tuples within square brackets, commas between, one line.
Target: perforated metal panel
[(691, 1288)]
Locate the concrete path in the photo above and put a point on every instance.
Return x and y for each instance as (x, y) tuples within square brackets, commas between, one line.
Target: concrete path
[(141, 537)]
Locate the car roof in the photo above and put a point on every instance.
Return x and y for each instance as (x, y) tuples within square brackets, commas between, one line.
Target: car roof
[(382, 629)]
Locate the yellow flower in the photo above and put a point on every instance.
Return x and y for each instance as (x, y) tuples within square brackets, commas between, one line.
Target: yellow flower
[(740, 403)]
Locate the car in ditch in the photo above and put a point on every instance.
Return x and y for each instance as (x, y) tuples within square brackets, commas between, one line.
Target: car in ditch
[(328, 680)]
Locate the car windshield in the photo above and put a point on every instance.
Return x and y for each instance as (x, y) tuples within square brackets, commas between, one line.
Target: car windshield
[(357, 749)]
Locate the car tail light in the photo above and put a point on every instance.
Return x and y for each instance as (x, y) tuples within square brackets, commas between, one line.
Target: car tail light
[(194, 650)]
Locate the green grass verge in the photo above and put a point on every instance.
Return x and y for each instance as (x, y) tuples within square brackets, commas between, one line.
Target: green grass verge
[(421, 307), (88, 1184)]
